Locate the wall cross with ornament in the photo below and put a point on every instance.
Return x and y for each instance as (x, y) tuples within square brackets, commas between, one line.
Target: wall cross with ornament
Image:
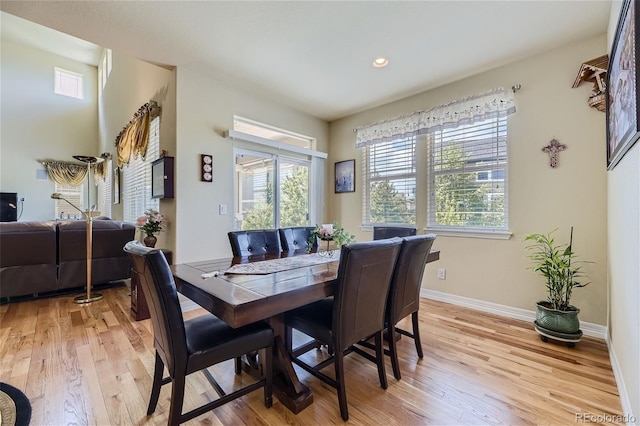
[(553, 149)]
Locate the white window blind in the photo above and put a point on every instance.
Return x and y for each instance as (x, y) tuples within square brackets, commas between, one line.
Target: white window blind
[(468, 177), (389, 179), (75, 195), (136, 192), (105, 191)]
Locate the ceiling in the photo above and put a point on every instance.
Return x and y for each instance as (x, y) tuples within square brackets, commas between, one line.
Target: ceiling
[(315, 56)]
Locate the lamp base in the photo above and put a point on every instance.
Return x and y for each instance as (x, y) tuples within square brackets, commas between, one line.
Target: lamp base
[(84, 299)]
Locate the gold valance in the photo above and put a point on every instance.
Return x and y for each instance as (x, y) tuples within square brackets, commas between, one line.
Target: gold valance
[(100, 170), (66, 173), (133, 139)]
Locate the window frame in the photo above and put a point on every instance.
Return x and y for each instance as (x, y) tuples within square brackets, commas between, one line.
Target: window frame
[(276, 159), (502, 164), (367, 222), (59, 88)]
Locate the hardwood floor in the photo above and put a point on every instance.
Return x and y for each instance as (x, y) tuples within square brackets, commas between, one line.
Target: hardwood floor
[(93, 364)]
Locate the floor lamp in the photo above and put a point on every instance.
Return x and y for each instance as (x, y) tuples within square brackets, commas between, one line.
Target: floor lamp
[(88, 298)]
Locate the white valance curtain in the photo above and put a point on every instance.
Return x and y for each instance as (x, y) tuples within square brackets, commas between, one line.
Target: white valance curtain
[(493, 104)]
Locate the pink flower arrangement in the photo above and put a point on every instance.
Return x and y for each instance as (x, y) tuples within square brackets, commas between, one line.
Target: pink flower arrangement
[(151, 223)]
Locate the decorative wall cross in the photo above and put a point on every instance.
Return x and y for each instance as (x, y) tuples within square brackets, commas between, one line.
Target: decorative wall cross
[(553, 149)]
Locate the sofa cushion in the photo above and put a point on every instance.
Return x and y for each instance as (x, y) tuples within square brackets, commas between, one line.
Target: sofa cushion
[(27, 258), (109, 261)]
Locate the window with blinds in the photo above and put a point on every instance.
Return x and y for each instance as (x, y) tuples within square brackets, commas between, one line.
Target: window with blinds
[(389, 176), (136, 188), (468, 177), (75, 196), (105, 191)]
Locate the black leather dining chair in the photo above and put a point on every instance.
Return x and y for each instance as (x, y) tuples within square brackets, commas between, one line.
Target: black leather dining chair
[(296, 238), (258, 241), (354, 313), (382, 232), (185, 347), (404, 293)]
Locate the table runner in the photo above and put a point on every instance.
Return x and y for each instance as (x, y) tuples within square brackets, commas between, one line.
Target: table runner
[(264, 267)]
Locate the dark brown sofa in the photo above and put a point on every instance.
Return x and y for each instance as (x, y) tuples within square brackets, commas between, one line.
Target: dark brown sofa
[(27, 258), (109, 263), (39, 257)]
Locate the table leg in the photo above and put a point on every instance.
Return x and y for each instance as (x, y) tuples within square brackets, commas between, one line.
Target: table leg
[(290, 391), (286, 386)]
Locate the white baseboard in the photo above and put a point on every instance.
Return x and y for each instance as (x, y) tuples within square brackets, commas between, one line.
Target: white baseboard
[(630, 419), (589, 329)]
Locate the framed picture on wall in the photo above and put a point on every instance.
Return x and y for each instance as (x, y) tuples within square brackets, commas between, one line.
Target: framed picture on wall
[(622, 86), (345, 176), (116, 185)]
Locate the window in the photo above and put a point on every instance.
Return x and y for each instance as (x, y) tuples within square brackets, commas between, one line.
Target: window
[(68, 83), (273, 171), (467, 177), (258, 205), (104, 191), (137, 178), (389, 194), (104, 68), (75, 196)]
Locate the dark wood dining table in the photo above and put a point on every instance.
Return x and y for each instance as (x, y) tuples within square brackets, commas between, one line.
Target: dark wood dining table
[(240, 299)]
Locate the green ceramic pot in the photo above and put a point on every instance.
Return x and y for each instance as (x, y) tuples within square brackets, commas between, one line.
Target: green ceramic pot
[(555, 320)]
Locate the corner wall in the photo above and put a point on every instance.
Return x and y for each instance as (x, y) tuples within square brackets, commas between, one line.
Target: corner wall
[(205, 109), (540, 198), (38, 124)]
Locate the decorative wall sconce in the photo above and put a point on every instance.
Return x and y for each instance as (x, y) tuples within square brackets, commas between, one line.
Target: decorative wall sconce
[(206, 168), (595, 71)]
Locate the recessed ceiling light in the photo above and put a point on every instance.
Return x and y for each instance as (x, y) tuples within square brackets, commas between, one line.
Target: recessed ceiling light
[(380, 62)]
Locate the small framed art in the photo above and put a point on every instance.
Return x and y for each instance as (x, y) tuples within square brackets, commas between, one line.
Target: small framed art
[(345, 176), (116, 185)]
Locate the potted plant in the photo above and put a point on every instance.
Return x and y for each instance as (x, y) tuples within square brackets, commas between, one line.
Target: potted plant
[(329, 233), (151, 223), (556, 317)]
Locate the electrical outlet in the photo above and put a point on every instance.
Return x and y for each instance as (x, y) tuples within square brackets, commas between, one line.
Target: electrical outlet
[(442, 274), (222, 209), (22, 199)]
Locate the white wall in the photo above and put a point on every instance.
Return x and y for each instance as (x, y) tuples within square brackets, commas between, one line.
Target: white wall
[(37, 124), (131, 84), (205, 109), (623, 273), (540, 198)]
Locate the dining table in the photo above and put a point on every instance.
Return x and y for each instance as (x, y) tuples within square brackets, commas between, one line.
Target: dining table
[(243, 290)]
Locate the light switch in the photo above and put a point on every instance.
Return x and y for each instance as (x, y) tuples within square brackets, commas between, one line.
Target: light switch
[(222, 208)]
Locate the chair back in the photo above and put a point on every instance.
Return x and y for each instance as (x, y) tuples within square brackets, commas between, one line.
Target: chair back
[(259, 241), (383, 232), (159, 288), (360, 295), (404, 294), (296, 238)]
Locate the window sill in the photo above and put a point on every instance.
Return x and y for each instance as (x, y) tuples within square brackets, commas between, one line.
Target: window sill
[(491, 235)]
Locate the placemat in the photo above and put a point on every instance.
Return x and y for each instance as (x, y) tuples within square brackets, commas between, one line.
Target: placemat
[(264, 267)]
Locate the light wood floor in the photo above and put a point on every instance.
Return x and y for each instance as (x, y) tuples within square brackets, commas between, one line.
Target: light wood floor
[(92, 365)]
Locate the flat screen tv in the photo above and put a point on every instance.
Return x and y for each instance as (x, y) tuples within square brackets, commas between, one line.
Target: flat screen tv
[(8, 206)]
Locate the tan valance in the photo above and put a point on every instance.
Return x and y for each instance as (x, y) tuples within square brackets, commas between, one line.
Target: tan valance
[(100, 170), (66, 173), (133, 139)]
